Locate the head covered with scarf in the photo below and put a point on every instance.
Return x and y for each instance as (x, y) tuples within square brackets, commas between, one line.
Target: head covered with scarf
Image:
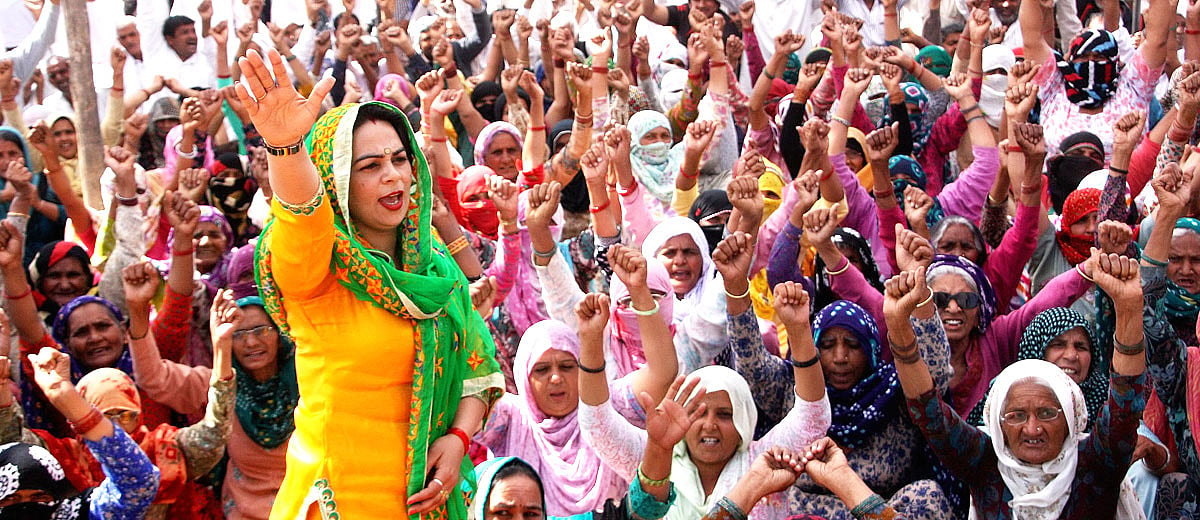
[(1076, 159), (1079, 204), (265, 409), (28, 467), (692, 502), (653, 164), (906, 171), (1038, 490), (478, 210), (421, 282), (495, 470), (671, 228), (1092, 79), (711, 203), (860, 412), (1046, 327), (936, 59), (215, 277), (915, 97), (846, 239), (625, 345), (50, 255), (997, 59), (958, 266), (575, 198), (489, 133), (555, 445), (1179, 304), (381, 88)]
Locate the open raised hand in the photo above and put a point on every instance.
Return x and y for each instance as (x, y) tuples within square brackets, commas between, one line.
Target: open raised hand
[(280, 114), (669, 421)]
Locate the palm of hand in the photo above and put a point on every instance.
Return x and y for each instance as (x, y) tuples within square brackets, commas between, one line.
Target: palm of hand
[(667, 425), (284, 116)]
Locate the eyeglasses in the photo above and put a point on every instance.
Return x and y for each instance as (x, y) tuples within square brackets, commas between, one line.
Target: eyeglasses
[(257, 332), (1019, 417), (965, 300), (121, 415), (627, 301)]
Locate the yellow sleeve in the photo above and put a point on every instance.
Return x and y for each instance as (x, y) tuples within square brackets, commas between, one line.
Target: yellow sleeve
[(301, 245), (684, 200)]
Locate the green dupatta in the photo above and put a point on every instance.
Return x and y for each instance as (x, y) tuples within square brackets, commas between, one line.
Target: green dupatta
[(454, 353)]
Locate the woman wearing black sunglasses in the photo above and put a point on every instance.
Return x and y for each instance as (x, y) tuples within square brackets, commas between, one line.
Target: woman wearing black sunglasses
[(981, 343)]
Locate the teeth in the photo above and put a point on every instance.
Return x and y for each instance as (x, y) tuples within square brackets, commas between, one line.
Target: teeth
[(952, 322), (1068, 371)]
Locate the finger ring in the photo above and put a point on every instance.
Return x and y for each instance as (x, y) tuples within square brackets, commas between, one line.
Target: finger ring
[(445, 495), (439, 482), (260, 98)]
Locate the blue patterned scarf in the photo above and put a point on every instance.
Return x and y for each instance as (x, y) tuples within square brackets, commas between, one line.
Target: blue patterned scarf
[(874, 402)]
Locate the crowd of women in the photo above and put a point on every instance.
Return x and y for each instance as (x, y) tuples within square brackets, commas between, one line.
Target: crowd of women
[(610, 260)]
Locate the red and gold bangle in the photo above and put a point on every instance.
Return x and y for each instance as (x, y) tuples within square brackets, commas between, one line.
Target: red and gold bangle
[(600, 69), (462, 435), (87, 422), (632, 189), (717, 63), (1015, 148), (597, 209), (457, 245)]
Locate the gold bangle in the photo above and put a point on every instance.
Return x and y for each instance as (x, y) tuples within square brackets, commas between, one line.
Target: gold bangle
[(457, 245), (17, 214), (738, 296), (839, 271), (926, 301)]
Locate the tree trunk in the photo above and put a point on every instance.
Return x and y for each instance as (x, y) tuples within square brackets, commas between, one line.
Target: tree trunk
[(83, 97)]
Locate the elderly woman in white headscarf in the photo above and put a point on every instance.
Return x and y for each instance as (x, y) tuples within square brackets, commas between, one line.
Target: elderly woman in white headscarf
[(1032, 458)]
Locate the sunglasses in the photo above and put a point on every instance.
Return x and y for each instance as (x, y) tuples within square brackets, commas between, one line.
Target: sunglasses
[(965, 300)]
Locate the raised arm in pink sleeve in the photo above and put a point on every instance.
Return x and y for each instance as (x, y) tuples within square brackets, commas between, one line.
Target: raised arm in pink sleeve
[(505, 266), (1005, 331), (180, 387), (1005, 264), (636, 217), (1141, 164), (766, 141), (888, 218), (754, 57), (862, 216), (853, 286), (965, 197), (859, 120)]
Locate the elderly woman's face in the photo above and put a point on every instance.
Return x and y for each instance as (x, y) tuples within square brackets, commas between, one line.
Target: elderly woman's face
[(65, 281), (842, 358), (1183, 267), (210, 243), (502, 154), (684, 262), (957, 239), (713, 439), (554, 381), (380, 179), (657, 135), (1030, 439), (94, 336), (1072, 352), (957, 319), (515, 498)]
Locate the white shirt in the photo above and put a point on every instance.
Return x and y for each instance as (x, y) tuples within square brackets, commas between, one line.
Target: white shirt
[(872, 29), (773, 17)]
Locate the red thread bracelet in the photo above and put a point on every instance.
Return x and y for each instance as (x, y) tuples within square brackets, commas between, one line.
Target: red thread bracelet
[(1191, 31), (597, 209), (717, 63), (27, 292), (686, 176), (537, 128), (1015, 148), (176, 252), (438, 139), (600, 69), (462, 435)]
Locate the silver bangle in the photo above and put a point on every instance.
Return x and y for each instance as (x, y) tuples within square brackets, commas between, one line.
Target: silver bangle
[(189, 155)]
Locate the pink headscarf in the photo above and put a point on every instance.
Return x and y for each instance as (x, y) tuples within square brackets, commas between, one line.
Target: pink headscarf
[(524, 301), (626, 341), (554, 446), (381, 87)]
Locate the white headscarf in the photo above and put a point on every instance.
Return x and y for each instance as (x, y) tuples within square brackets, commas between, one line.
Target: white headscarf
[(672, 228), (1039, 491), (991, 95), (692, 503)]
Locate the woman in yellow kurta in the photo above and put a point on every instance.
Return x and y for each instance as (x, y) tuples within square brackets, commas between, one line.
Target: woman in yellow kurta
[(395, 369)]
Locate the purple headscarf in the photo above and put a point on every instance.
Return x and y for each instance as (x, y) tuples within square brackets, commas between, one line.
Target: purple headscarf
[(216, 278), (947, 264), (555, 446)]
